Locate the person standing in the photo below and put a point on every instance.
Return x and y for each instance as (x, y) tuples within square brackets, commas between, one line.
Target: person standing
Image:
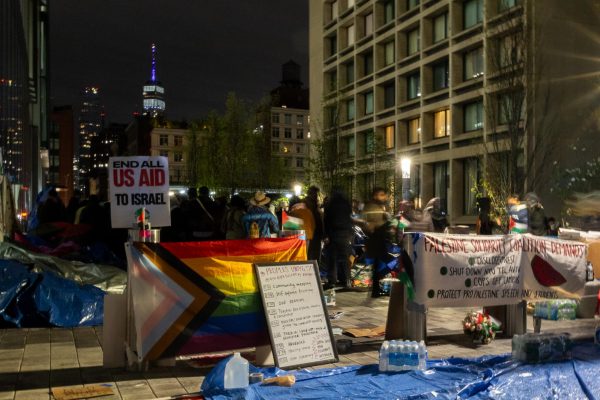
[(312, 202), (259, 222), (337, 224), (376, 216), (298, 209), (232, 223), (536, 217), (485, 224)]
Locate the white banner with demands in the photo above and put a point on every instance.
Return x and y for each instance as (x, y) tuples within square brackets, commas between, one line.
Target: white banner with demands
[(138, 183), (465, 271)]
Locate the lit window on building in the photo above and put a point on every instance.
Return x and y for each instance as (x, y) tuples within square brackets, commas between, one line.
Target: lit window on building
[(473, 64), (414, 130), (390, 137), (441, 122)]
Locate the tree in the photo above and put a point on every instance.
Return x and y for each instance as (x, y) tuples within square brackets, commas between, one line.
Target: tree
[(203, 148), (232, 150), (520, 137), (326, 164)]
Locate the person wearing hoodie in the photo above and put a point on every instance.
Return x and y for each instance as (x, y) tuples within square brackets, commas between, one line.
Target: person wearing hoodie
[(536, 217)]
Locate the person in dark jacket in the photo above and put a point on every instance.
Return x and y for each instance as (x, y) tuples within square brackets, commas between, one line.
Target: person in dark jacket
[(485, 224), (200, 213), (377, 216), (337, 223), (312, 202), (536, 217), (232, 222)]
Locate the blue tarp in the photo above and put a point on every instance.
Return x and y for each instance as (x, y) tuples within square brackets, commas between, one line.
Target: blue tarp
[(45, 299), (489, 377)]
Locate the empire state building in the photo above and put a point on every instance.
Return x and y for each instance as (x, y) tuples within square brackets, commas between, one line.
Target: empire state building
[(154, 92)]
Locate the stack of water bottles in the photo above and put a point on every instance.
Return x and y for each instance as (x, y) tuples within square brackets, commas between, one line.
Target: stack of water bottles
[(402, 355)]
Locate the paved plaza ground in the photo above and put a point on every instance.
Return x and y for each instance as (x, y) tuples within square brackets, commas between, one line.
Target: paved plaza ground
[(34, 360)]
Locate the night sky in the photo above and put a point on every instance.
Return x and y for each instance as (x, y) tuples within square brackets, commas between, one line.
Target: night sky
[(206, 48)]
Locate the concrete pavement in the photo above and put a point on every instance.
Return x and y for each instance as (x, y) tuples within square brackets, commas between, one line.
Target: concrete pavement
[(32, 361)]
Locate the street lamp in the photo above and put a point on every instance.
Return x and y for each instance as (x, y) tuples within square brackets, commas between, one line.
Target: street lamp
[(405, 164), (297, 189)]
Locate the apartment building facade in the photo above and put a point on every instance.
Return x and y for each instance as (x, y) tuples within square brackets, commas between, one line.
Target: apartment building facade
[(418, 80), (290, 139), (171, 143), (290, 134)]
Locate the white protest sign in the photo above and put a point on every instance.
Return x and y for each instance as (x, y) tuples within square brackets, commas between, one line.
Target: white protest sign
[(296, 314), (553, 268), (136, 183), (466, 271), (461, 270)]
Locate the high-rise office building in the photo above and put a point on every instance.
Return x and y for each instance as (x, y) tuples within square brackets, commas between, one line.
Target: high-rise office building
[(154, 92), (61, 151), (437, 83), (91, 122), (23, 93), (290, 135)]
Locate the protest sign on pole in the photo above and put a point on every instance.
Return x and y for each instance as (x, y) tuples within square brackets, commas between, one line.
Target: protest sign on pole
[(139, 185), (465, 271)]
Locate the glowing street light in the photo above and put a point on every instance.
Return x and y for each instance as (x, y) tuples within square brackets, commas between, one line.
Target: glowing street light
[(297, 189), (405, 164)]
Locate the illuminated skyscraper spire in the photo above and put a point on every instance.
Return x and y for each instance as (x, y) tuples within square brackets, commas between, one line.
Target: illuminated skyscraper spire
[(153, 78), (154, 92)]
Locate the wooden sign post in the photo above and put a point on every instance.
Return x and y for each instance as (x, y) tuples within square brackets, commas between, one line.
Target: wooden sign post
[(296, 314)]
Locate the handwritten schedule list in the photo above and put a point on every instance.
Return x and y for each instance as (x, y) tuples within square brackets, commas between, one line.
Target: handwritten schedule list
[(294, 307)]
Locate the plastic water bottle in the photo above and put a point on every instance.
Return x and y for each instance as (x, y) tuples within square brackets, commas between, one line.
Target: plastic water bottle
[(395, 356), (384, 356), (589, 272), (409, 356), (236, 372), (416, 347), (422, 356), (332, 297)]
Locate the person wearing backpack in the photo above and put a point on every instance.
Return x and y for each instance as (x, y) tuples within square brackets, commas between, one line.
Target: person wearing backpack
[(259, 222), (232, 223)]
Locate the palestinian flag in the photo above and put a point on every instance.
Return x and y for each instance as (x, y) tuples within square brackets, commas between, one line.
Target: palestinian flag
[(291, 223), (403, 223), (516, 227), (201, 297)]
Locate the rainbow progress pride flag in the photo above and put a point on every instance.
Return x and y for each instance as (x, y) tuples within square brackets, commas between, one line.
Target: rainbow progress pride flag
[(201, 297)]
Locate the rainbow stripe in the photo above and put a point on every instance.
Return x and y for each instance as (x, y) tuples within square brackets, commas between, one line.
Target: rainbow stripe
[(233, 317)]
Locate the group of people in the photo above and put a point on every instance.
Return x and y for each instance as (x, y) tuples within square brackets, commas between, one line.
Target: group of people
[(526, 216), (329, 223)]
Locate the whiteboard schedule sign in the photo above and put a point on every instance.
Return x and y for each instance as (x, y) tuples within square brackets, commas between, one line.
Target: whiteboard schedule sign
[(296, 314), (136, 183)]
